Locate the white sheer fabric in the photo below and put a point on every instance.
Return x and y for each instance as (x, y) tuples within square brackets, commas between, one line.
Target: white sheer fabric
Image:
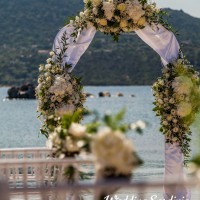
[(174, 170), (162, 41), (165, 44), (75, 49)]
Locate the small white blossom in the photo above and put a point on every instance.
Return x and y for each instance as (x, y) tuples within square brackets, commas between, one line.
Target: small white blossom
[(52, 54), (77, 130), (49, 60)]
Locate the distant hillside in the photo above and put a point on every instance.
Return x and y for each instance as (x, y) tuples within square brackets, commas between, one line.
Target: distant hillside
[(28, 28)]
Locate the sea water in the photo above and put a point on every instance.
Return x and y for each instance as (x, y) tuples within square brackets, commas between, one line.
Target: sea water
[(19, 126)]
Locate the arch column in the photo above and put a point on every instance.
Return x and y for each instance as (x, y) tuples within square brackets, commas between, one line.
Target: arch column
[(166, 45)]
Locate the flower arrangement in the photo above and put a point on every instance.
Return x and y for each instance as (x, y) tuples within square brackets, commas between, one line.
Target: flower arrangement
[(58, 92), (177, 95), (70, 138), (118, 16), (114, 154), (103, 138)]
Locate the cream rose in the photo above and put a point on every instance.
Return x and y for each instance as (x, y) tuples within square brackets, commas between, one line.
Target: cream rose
[(121, 7), (77, 130), (184, 109), (182, 85), (142, 21), (96, 2), (65, 109), (105, 148), (103, 22), (123, 24)]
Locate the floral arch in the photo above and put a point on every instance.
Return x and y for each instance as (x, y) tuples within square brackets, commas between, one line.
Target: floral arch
[(176, 92)]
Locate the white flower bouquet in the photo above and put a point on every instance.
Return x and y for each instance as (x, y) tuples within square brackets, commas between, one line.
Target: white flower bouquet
[(102, 138), (118, 16), (177, 95), (70, 138), (114, 154), (58, 92)]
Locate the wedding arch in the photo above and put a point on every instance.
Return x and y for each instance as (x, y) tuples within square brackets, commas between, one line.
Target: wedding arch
[(176, 92)]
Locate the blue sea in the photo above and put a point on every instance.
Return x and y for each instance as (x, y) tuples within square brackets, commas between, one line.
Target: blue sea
[(19, 126)]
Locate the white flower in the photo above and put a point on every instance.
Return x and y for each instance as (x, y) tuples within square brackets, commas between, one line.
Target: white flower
[(182, 85), (41, 68), (165, 123), (138, 125), (184, 109), (167, 75), (105, 148), (54, 139), (81, 14), (134, 10), (65, 109), (141, 124), (172, 101), (61, 86), (158, 112), (77, 18), (48, 79), (49, 61), (161, 82), (175, 130), (47, 66), (86, 12), (71, 145), (169, 118), (108, 8), (96, 2), (182, 97), (173, 112), (77, 130), (49, 144), (71, 22), (160, 101), (166, 100), (53, 98), (95, 11), (39, 87), (52, 54)]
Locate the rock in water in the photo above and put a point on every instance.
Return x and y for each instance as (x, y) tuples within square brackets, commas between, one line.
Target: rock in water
[(26, 91), (119, 94), (13, 93), (104, 94)]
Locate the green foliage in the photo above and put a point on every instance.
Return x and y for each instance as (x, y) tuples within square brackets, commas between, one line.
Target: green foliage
[(177, 97), (68, 119), (30, 26)]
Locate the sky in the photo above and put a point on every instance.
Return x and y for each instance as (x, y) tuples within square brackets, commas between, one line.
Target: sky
[(191, 7)]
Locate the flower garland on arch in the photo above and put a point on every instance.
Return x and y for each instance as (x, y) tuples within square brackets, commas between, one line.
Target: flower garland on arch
[(58, 91), (117, 16), (177, 95)]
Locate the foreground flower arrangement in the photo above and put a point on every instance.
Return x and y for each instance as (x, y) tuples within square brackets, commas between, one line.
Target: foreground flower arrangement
[(70, 138), (58, 92), (117, 16), (103, 138), (177, 95)]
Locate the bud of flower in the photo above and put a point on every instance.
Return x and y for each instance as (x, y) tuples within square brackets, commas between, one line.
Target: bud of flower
[(52, 53)]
